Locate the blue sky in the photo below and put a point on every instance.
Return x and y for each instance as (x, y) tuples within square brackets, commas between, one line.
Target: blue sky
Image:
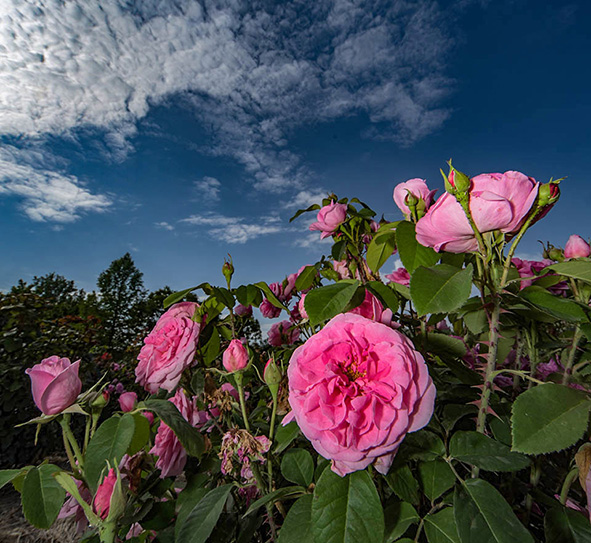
[(181, 132)]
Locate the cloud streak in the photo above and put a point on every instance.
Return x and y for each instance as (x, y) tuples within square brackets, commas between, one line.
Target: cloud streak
[(235, 229)]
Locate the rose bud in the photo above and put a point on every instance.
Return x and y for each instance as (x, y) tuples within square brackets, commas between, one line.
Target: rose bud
[(102, 499), (272, 377), (228, 270), (243, 310), (127, 401), (55, 384), (235, 357), (576, 247)]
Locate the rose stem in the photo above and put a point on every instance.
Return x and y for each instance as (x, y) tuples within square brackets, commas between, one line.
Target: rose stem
[(65, 422)]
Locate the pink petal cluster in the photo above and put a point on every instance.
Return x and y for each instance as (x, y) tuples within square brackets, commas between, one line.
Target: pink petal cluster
[(235, 357), (329, 218), (169, 349), (283, 333), (498, 201), (267, 309), (530, 269), (102, 499), (372, 308), (400, 276), (243, 310), (172, 456), (576, 247), (356, 388), (417, 187), (55, 384)]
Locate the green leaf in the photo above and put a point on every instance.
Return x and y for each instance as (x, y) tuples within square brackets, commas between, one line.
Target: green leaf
[(274, 496), (201, 521), (398, 516), (436, 478), (224, 296), (69, 485), (400, 479), (189, 437), (482, 515), (380, 249), (338, 250), (412, 253), (549, 418), (178, 296), (441, 527), (443, 345), (440, 289), (190, 498), (422, 445), (556, 306), (347, 509), (108, 444), (42, 496), (324, 303), (300, 211), (485, 453), (385, 294), (566, 526), (269, 295), (141, 435), (285, 435), (7, 475), (297, 466), (577, 269), (297, 526), (306, 279), (249, 295), (211, 349)]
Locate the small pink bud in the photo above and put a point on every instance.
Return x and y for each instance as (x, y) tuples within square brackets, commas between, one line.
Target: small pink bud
[(102, 499), (127, 401), (576, 247), (149, 415), (235, 357)]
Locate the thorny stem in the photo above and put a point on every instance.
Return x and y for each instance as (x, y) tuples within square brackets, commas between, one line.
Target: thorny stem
[(568, 368)]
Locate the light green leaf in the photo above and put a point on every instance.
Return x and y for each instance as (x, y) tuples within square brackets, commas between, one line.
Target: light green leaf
[(380, 249), (577, 269), (297, 526), (306, 278), (141, 434), (178, 296), (556, 306), (324, 303), (269, 295), (440, 289), (249, 295), (7, 475), (411, 252), (347, 509), (441, 527), (549, 418), (483, 516), (42, 496), (485, 453), (297, 466), (436, 478)]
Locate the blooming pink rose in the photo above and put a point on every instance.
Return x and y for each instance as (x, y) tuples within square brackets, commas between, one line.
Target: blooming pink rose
[(498, 201), (55, 384), (576, 247), (102, 498), (283, 333), (356, 388), (235, 357), (268, 310), (329, 218), (243, 310), (417, 187), (172, 456), (340, 266), (127, 401), (400, 276), (169, 348)]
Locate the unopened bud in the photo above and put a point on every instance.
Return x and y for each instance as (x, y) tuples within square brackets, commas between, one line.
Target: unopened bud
[(101, 399), (553, 253), (228, 270), (458, 181), (410, 200), (272, 377), (548, 193)]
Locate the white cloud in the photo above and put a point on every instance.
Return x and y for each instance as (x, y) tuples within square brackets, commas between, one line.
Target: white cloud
[(208, 189), (305, 198), (251, 72), (47, 195), (235, 229), (164, 225)]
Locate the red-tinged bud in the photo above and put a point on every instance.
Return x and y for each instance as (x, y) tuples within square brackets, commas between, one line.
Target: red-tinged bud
[(228, 270), (411, 199), (459, 182), (548, 193), (235, 357), (576, 247)]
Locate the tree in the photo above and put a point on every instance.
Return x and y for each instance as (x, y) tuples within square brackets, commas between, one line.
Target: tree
[(121, 292)]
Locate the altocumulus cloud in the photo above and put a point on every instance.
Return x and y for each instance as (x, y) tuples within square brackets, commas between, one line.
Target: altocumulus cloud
[(235, 229), (251, 71)]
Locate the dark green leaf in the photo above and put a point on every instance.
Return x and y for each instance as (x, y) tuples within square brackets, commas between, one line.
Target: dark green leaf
[(297, 527), (249, 295), (191, 495), (338, 250), (7, 475), (297, 466), (441, 527), (177, 296), (42, 496), (141, 434), (201, 521), (189, 437), (306, 278), (436, 478), (300, 211), (285, 435), (422, 445), (400, 479), (276, 495), (347, 509), (412, 253), (566, 526), (380, 249), (108, 444), (324, 303), (549, 418), (440, 289), (269, 295), (483, 516), (485, 453), (556, 306), (224, 296), (385, 294), (398, 517)]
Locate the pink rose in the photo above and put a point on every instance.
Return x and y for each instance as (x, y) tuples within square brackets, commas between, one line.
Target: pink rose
[(340, 266), (235, 357), (283, 333), (55, 384), (172, 456), (529, 269), (356, 388), (127, 401), (302, 307), (169, 349), (102, 498), (372, 308), (329, 218), (418, 188), (268, 310), (400, 276), (498, 201), (243, 310), (576, 247)]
